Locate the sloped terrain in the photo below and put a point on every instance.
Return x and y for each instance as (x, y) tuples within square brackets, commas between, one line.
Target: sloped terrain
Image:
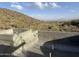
[(13, 19)]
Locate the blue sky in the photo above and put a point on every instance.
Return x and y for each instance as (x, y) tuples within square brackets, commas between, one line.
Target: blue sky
[(45, 10)]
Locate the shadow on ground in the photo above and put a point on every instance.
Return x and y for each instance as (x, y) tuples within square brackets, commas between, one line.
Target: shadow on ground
[(6, 51), (65, 47), (32, 54)]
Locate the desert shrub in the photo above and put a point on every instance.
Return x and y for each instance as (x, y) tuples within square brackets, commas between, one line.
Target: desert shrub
[(55, 27), (75, 22), (49, 27)]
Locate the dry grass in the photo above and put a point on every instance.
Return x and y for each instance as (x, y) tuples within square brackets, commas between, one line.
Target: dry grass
[(13, 19)]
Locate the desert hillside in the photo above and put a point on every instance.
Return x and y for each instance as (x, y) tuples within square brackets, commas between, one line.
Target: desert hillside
[(12, 19)]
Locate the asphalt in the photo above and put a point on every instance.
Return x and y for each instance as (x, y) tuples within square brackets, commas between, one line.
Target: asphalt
[(43, 37), (46, 36)]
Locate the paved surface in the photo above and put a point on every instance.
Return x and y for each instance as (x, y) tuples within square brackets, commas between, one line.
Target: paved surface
[(45, 36)]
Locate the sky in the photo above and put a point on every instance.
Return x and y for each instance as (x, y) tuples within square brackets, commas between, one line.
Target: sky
[(45, 10)]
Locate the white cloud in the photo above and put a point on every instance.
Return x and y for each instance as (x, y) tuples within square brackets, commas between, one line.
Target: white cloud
[(55, 5), (39, 4), (42, 5), (17, 6), (46, 4), (14, 2), (73, 11)]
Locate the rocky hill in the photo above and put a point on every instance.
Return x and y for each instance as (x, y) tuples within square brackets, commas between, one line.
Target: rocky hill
[(12, 19)]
